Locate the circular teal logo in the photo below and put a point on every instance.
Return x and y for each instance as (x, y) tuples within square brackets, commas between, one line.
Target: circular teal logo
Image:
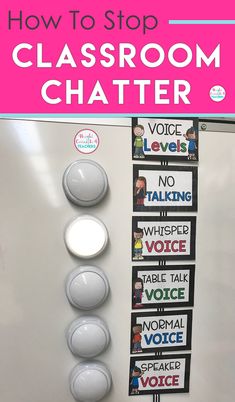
[(86, 141), (217, 93)]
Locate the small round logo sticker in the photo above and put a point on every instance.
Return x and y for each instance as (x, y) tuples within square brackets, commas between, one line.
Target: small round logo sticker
[(217, 93), (86, 141)]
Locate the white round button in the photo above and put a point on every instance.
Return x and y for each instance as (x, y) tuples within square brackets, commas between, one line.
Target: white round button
[(90, 381), (85, 182), (86, 236), (87, 287), (88, 337)]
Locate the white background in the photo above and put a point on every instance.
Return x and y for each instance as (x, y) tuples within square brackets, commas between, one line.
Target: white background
[(167, 284), (182, 319), (185, 125), (185, 237), (183, 182), (179, 372)]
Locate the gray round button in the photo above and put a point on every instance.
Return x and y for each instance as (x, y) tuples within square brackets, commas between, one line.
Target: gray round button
[(85, 183), (90, 381), (87, 287), (88, 336)]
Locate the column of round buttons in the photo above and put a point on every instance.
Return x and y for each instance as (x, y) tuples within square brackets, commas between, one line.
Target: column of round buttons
[(85, 183)]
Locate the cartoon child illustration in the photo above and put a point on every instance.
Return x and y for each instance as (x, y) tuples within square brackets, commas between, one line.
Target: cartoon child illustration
[(140, 190), (191, 137), (136, 340), (138, 287), (135, 375), (139, 142), (138, 244)]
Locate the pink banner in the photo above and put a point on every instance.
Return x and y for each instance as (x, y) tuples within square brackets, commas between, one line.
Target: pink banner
[(117, 57)]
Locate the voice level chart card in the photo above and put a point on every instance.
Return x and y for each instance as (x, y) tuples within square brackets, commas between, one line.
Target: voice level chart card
[(159, 374), (158, 287), (164, 188), (165, 139), (154, 331), (156, 237)]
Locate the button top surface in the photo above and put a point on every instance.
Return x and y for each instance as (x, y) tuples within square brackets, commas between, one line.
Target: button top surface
[(90, 381), (87, 287), (85, 182), (88, 336), (86, 236)]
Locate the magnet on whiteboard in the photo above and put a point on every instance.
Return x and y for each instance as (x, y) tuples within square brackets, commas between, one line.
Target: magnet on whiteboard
[(90, 381), (88, 336), (85, 182), (87, 287), (86, 236)]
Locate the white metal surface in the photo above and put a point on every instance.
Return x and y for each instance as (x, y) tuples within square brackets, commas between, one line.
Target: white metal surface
[(34, 261)]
